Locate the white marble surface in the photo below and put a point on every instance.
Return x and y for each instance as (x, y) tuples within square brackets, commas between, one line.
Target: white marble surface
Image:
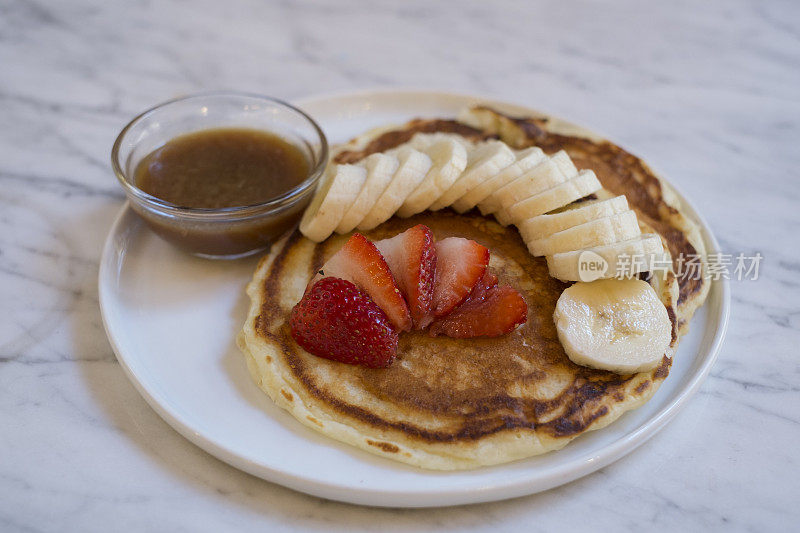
[(709, 92)]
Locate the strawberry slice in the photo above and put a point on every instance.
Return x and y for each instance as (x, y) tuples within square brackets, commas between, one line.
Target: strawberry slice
[(337, 321), (360, 263), (490, 311), (411, 257), (487, 282), (460, 264)]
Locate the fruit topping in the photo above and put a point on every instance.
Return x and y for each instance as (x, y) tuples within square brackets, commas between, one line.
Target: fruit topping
[(460, 263), (411, 257), (490, 311), (484, 284), (337, 321), (366, 293), (613, 324), (360, 262)]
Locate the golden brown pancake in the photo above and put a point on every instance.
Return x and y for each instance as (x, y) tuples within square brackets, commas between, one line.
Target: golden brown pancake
[(463, 403), (444, 403)]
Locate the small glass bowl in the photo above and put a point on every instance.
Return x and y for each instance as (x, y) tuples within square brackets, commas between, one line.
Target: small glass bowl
[(231, 232)]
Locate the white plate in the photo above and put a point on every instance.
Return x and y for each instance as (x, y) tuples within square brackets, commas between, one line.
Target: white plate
[(172, 319)]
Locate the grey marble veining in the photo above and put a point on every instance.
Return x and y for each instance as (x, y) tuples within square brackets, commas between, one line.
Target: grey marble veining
[(708, 92)]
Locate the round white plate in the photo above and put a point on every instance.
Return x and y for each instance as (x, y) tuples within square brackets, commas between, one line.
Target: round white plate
[(172, 320)]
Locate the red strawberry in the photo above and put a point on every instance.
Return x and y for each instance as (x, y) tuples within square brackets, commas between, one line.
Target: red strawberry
[(411, 257), (460, 263), (337, 321), (359, 262), (490, 311), (487, 282)]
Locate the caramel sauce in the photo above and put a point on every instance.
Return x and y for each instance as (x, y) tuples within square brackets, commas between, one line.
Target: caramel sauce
[(223, 167)]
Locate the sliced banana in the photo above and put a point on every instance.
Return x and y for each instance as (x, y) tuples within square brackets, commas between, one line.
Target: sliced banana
[(607, 230), (542, 177), (449, 159), (380, 168), (621, 259), (485, 160), (493, 123), (526, 160), (337, 189), (565, 164), (413, 168), (420, 141), (584, 184), (574, 214), (615, 325), (503, 217)]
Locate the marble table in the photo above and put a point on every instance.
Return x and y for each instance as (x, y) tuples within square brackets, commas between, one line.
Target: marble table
[(709, 92)]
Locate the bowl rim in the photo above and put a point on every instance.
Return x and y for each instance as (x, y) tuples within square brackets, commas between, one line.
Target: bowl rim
[(283, 200)]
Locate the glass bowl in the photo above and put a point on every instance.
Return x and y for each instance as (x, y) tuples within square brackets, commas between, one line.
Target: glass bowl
[(228, 232)]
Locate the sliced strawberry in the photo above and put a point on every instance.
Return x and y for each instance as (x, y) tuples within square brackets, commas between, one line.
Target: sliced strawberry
[(411, 257), (487, 282), (490, 311), (360, 262), (460, 263), (337, 321)]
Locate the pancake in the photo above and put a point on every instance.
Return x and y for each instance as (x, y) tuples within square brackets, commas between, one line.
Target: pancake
[(444, 403), (463, 403)]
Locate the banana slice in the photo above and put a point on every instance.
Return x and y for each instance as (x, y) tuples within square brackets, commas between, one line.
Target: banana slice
[(338, 189), (574, 214), (485, 160), (607, 230), (449, 159), (526, 160), (542, 177), (413, 168), (493, 123), (584, 184), (503, 217), (420, 141), (616, 325), (559, 161), (565, 164), (380, 169), (621, 259)]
